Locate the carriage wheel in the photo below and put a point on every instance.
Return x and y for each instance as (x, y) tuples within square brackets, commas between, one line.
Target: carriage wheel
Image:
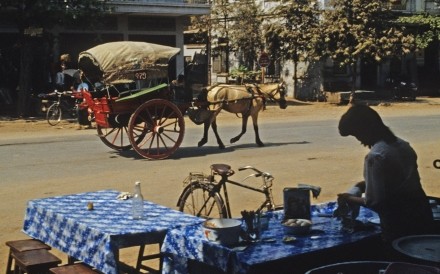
[(162, 126), (116, 138)]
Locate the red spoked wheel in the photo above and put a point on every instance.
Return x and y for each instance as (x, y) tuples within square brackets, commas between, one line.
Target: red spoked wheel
[(116, 138), (161, 125)]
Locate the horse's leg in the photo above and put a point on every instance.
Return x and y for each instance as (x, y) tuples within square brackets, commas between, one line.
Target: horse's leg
[(204, 139), (254, 115), (214, 128), (243, 128), (206, 125), (257, 135)]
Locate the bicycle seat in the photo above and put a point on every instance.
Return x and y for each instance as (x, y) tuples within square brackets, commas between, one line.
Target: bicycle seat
[(222, 169)]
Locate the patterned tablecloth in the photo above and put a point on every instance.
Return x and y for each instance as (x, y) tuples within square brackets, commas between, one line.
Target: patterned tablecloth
[(189, 242), (95, 236)]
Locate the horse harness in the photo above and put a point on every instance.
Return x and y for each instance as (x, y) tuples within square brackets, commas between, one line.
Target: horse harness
[(255, 93)]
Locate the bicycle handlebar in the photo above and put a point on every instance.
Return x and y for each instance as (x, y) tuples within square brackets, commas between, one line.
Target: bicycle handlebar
[(259, 173), (249, 167)]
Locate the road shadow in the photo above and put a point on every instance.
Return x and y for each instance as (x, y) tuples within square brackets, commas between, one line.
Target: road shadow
[(194, 151)]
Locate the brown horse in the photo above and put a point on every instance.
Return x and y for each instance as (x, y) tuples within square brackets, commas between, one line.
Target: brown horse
[(246, 100)]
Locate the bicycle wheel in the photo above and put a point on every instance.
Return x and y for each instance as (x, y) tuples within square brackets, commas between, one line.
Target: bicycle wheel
[(53, 114), (197, 199)]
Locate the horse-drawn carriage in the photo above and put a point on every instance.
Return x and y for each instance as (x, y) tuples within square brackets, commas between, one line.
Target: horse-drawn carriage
[(132, 103)]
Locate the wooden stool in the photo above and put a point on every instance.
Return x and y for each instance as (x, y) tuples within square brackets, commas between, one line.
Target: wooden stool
[(35, 261), (73, 269), (20, 246)]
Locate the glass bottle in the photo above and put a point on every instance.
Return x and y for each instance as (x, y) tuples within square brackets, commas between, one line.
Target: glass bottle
[(137, 202)]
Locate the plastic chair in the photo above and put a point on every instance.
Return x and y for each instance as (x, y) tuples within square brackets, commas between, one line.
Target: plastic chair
[(355, 267), (408, 268)]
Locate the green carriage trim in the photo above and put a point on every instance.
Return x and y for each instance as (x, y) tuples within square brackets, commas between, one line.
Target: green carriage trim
[(142, 92)]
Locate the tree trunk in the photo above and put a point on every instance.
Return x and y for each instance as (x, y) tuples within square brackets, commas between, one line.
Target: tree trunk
[(25, 85), (353, 81), (295, 79)]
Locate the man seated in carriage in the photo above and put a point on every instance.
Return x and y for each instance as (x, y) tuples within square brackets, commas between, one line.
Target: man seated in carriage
[(181, 91)]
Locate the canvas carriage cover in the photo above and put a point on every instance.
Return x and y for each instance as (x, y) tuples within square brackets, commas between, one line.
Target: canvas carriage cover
[(126, 61)]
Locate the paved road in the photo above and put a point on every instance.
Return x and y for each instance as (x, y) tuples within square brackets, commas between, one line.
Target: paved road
[(297, 151)]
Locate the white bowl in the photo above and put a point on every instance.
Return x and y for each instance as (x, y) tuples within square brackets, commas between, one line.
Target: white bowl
[(222, 231), (296, 226)]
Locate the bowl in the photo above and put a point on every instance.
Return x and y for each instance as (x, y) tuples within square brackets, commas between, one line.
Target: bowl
[(222, 230), (296, 226)]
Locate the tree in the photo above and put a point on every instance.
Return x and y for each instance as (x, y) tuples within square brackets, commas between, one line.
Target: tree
[(426, 28), (362, 29), (35, 18), (245, 31), (233, 27), (292, 33)]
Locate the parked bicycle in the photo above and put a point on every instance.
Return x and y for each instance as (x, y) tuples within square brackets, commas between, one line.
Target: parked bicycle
[(204, 197), (63, 104)]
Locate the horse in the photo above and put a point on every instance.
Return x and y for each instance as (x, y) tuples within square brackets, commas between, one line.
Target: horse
[(247, 100)]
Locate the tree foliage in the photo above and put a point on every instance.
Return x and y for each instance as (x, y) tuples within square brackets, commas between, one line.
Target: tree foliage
[(427, 28), (292, 31), (359, 29), (245, 31), (45, 15), (50, 13), (233, 27)]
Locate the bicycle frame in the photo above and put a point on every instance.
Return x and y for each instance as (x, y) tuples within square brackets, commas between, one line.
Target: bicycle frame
[(266, 191), (202, 195)]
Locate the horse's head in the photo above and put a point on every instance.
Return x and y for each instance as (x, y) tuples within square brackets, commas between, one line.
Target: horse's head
[(282, 95), (275, 92)]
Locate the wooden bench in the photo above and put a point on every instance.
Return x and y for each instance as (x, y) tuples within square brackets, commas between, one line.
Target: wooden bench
[(35, 261), (22, 246), (78, 268)]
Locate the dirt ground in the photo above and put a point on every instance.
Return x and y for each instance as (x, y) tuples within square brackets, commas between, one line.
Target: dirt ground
[(16, 128), (302, 111)]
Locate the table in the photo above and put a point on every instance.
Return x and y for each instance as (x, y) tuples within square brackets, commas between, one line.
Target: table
[(185, 244), (95, 236), (420, 248)]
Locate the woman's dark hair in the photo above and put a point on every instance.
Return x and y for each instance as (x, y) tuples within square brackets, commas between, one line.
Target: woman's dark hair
[(361, 120)]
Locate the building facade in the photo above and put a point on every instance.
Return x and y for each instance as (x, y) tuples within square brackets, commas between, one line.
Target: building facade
[(155, 21)]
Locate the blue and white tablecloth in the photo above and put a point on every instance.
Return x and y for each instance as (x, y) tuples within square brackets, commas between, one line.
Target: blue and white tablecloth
[(189, 243), (95, 236)]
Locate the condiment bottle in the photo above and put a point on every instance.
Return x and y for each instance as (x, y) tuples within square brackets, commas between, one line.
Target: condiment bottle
[(137, 202)]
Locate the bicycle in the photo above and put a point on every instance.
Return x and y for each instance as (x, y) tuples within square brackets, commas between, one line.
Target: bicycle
[(202, 195), (55, 111)]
